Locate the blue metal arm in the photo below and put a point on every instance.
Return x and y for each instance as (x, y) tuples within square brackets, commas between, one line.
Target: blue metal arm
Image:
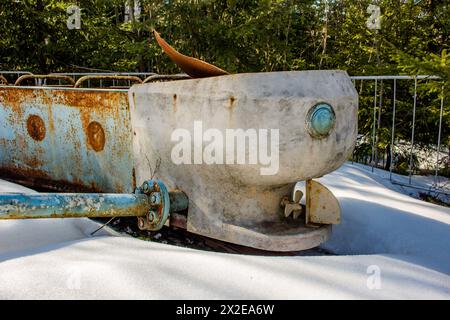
[(151, 203)]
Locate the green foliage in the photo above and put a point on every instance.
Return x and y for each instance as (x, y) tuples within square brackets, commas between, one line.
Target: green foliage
[(239, 36)]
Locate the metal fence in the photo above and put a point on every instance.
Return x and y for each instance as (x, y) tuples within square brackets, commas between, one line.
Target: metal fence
[(78, 75), (441, 183), (12, 76)]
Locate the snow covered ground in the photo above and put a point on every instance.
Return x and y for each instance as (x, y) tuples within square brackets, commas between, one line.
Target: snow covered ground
[(388, 245), (400, 183)]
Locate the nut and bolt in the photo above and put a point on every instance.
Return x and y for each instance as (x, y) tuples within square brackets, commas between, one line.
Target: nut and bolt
[(151, 216), (145, 187), (141, 223), (155, 198)]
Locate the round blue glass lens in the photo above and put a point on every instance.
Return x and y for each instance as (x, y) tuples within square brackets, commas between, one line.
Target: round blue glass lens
[(321, 119)]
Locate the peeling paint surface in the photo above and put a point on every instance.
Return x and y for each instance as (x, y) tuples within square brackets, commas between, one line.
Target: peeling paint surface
[(70, 205), (77, 139)]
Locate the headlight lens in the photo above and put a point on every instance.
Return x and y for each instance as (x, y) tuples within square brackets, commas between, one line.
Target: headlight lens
[(320, 120)]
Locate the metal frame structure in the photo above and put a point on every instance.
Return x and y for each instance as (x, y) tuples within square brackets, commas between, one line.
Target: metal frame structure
[(378, 104)]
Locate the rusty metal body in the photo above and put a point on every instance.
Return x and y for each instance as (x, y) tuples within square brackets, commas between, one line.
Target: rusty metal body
[(315, 116), (72, 205), (108, 140), (66, 139)]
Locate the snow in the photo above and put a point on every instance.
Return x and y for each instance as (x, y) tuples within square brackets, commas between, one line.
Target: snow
[(420, 184), (376, 219), (404, 240)]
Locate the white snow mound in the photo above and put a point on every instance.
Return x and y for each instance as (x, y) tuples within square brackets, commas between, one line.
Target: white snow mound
[(389, 246)]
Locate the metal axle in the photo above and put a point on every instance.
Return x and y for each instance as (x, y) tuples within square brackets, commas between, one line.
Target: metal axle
[(72, 205), (151, 203)]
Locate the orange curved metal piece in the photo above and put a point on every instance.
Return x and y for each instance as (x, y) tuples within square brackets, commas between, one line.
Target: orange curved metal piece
[(3, 80), (193, 67)]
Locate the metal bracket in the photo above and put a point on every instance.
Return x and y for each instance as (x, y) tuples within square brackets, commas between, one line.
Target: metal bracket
[(159, 200), (151, 203), (322, 207)]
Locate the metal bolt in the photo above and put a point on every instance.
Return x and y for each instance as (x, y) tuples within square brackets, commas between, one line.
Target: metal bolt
[(141, 223), (151, 216), (155, 198)]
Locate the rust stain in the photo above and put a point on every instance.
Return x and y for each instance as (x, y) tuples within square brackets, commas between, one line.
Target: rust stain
[(40, 180), (96, 136), (232, 102), (133, 174), (36, 127), (101, 106), (174, 103), (99, 100), (231, 105)]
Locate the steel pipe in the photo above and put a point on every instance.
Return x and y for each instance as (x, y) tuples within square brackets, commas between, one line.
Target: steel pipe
[(72, 205), (155, 199)]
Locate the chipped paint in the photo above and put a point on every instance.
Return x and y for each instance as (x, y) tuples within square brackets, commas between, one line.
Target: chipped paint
[(71, 205), (36, 127), (96, 136), (66, 139)]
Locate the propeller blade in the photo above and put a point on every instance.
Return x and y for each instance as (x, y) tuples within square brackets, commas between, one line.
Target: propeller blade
[(193, 67)]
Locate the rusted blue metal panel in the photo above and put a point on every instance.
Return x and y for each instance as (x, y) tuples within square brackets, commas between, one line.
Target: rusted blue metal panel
[(66, 139)]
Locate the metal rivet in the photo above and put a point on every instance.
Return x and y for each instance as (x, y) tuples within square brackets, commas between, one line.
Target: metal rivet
[(155, 198), (36, 127), (96, 136), (145, 187), (141, 223), (151, 216)]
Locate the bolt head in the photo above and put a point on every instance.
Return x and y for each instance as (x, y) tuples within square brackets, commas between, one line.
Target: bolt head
[(155, 198), (151, 216)]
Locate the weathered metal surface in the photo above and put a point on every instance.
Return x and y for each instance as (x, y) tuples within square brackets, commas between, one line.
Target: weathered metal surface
[(36, 127), (178, 201), (321, 205), (178, 221), (45, 77), (151, 203), (194, 67), (234, 202), (160, 203), (72, 205), (96, 136), (102, 77), (66, 139)]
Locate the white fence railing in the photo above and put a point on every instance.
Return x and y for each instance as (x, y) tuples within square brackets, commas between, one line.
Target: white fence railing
[(441, 183)]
